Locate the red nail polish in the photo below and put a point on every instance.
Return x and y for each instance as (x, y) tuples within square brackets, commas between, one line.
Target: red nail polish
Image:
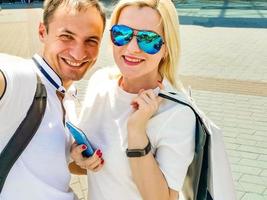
[(84, 147), (102, 161), (99, 153)]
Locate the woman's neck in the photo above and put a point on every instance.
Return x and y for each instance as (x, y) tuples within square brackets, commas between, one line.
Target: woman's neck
[(136, 84)]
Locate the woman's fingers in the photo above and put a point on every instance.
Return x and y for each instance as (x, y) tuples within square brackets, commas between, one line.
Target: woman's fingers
[(150, 98), (76, 151), (147, 97), (91, 163), (98, 168), (95, 165)]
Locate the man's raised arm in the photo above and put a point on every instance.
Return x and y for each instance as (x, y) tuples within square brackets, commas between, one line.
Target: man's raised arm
[(2, 84)]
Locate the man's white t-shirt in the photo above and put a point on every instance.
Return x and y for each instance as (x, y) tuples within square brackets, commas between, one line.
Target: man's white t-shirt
[(104, 118), (41, 172)]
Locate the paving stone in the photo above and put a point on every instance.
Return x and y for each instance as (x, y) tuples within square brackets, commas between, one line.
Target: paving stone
[(231, 146), (77, 189), (263, 157), (254, 179), (246, 169), (264, 173), (260, 133), (228, 139), (239, 195), (253, 196), (253, 188), (236, 176), (254, 137), (245, 142), (234, 160), (83, 181), (241, 154), (252, 149), (261, 144)]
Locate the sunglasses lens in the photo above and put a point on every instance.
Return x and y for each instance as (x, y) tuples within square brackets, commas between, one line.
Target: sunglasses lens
[(149, 42), (121, 35)]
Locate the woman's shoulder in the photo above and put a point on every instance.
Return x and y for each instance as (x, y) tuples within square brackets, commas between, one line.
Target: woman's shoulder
[(180, 94), (171, 110)]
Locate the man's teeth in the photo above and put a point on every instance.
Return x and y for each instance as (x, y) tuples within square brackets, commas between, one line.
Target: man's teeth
[(132, 59), (75, 64)]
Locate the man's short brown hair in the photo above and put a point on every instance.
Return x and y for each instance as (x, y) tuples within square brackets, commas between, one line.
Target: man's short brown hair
[(50, 6)]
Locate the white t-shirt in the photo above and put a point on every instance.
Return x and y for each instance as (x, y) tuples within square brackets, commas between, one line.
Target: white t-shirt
[(104, 119), (41, 172)]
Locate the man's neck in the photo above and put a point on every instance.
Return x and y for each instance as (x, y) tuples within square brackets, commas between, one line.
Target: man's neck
[(66, 84)]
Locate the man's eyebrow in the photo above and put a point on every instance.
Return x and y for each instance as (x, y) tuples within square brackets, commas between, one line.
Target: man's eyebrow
[(93, 37), (68, 31), (87, 38)]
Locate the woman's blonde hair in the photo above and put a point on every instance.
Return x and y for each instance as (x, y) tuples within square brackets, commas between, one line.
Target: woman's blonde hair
[(169, 65)]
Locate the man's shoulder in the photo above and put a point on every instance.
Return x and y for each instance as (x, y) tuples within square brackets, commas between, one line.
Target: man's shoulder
[(6, 58), (16, 65), (19, 75)]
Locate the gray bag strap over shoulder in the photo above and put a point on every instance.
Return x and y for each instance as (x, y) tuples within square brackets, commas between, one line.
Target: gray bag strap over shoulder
[(24, 132), (196, 181)]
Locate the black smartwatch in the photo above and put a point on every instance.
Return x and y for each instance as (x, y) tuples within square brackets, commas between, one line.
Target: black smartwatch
[(139, 152)]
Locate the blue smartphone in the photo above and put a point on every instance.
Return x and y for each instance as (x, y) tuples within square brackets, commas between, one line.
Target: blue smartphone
[(80, 138)]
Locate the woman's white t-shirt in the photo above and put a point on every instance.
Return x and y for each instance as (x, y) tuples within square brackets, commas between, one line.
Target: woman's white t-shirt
[(104, 119)]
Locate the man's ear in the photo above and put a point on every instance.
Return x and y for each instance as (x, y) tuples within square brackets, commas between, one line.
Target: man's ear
[(42, 32)]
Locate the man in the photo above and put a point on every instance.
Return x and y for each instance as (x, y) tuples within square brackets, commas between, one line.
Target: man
[(71, 33)]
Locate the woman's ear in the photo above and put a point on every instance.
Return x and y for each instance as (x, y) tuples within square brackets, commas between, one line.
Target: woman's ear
[(42, 32)]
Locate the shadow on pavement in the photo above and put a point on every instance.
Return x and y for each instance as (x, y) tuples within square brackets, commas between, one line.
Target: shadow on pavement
[(224, 22)]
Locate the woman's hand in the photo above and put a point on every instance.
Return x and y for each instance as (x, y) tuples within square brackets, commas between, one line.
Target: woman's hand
[(93, 163), (145, 105)]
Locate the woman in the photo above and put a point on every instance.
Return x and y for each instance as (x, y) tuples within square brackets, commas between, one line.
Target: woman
[(147, 143)]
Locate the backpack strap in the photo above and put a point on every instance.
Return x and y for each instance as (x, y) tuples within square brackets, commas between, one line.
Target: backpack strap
[(24, 132)]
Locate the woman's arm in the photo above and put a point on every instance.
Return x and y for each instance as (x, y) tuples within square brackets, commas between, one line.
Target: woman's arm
[(147, 175)]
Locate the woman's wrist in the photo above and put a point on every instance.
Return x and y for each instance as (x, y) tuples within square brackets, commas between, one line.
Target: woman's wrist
[(137, 140)]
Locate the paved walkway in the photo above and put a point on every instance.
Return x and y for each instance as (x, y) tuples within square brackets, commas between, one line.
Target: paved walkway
[(227, 69)]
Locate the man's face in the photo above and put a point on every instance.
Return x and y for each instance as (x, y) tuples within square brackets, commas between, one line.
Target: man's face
[(72, 42)]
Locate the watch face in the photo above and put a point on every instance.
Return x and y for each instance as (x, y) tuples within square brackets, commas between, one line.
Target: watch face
[(139, 152), (135, 153)]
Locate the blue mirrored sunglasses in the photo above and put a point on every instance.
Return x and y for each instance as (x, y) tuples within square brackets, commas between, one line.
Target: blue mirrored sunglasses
[(148, 41)]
